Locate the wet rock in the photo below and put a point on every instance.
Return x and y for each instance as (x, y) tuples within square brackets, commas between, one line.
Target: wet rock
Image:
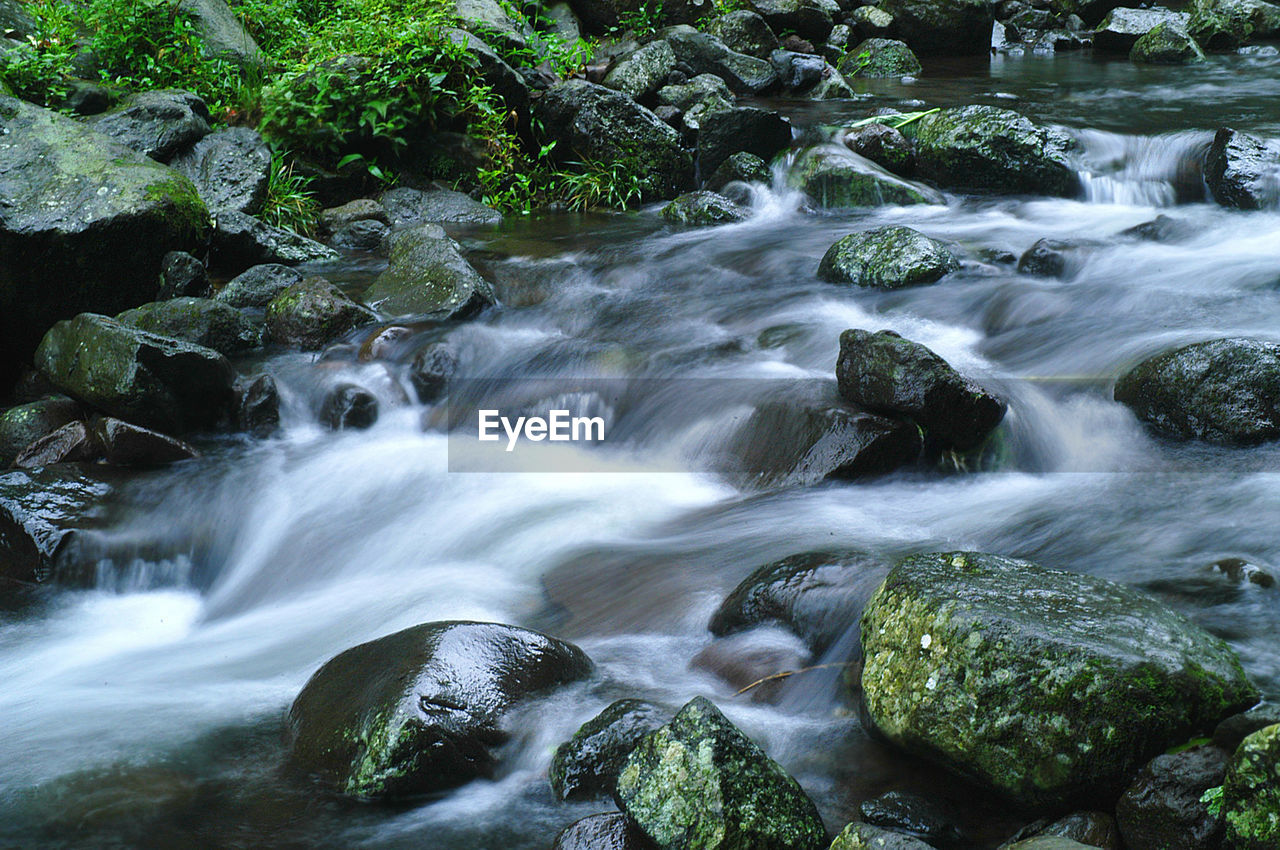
[(702, 95), (428, 276), (1227, 24), (1054, 257), (420, 710), (871, 22), (1162, 228), (1161, 810), (1049, 842), (1241, 571), (222, 36), (203, 321), (818, 596), (744, 129), (752, 662), (605, 831), (744, 31), (832, 86), (123, 444), (258, 412), (1166, 44), (742, 166), (1230, 732), (1093, 829), (22, 425), (595, 123), (990, 149), (500, 77), (913, 815), (241, 241), (182, 274), (502, 25), (410, 207), (864, 836), (644, 72), (257, 286), (15, 20), (141, 377), (1221, 391), (838, 178), (366, 209), (1122, 27), (230, 170), (888, 257), (156, 123), (72, 443), (880, 57), (587, 765), (886, 373), (884, 146), (1242, 171), (706, 54), (942, 26), (88, 98), (699, 782), (703, 208), (811, 19), (348, 406), (430, 371), (797, 71), (1075, 681), (1251, 795), (84, 225), (42, 513), (364, 235), (313, 313)]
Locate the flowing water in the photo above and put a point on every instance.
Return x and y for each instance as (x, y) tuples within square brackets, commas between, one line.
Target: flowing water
[(147, 709)]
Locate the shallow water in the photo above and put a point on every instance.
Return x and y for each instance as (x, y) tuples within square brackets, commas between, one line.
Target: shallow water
[(222, 584)]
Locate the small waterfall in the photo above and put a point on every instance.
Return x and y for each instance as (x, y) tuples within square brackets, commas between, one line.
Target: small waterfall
[(1157, 171)]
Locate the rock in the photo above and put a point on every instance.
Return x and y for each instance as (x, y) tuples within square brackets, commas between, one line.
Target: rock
[(884, 372), (367, 209), (313, 313), (349, 406), (500, 77), (22, 425), (741, 166), (703, 208), (797, 71), (123, 444), (1241, 571), (698, 782), (1045, 685), (151, 380), (1093, 829), (706, 54), (836, 177), (1162, 808), (884, 146), (420, 710), (182, 274), (258, 286), (750, 661), (887, 258), (241, 241), (222, 36), (1250, 794), (559, 19), (832, 86), (364, 235), (258, 411), (203, 321), (1242, 171), (871, 22), (1230, 732), (14, 20), (230, 170), (605, 831), (911, 814), (642, 73), (1054, 257), (87, 98), (1162, 228), (1122, 27), (880, 57), (428, 276), (431, 370), (489, 18), (1227, 24), (156, 123), (72, 443), (988, 149), (704, 95), (593, 123), (1049, 842), (742, 129), (864, 836), (942, 26), (42, 515), (84, 225), (410, 207), (587, 765), (744, 31), (1166, 44), (811, 19), (1221, 391)]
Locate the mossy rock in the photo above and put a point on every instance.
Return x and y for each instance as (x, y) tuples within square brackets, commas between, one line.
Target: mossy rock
[(1227, 24), (22, 425), (428, 276), (888, 257), (835, 178), (643, 72), (1122, 27), (880, 57), (587, 765), (703, 208), (1251, 793), (203, 321), (1047, 686), (864, 836), (312, 314), (1166, 44)]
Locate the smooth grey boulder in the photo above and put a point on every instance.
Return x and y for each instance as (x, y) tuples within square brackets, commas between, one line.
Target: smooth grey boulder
[(1243, 171), (490, 18), (156, 123), (706, 54), (428, 276), (14, 19), (643, 72), (240, 241), (889, 257), (222, 36), (406, 207), (203, 321), (230, 170), (257, 286)]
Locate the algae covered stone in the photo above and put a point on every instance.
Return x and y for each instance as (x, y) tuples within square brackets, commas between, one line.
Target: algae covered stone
[(313, 313), (1166, 44), (864, 836), (1045, 685), (880, 57), (587, 764), (1251, 793), (835, 178), (204, 321), (428, 276), (703, 208), (698, 783), (887, 258)]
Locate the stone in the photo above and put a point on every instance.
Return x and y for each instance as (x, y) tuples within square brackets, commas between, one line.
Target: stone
[(182, 274), (230, 169), (14, 20), (43, 514), (1049, 842), (888, 257), (706, 54), (366, 235), (203, 321), (222, 36), (156, 123), (123, 444), (835, 178), (832, 86), (367, 209), (643, 72), (406, 207), (22, 425), (811, 19), (1093, 829), (72, 443), (740, 167), (1227, 24), (1054, 257), (1250, 793), (605, 831), (1231, 732), (883, 145), (241, 241), (500, 77), (1047, 686), (587, 765), (348, 406), (864, 836), (871, 22), (1166, 44), (744, 31), (428, 276), (491, 19), (431, 370), (880, 57), (1162, 808), (1243, 171), (797, 71), (313, 313), (703, 208), (89, 98), (1122, 27), (257, 286), (942, 27), (741, 129), (911, 814)]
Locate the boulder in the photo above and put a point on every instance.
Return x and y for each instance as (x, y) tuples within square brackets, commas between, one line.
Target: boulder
[(1055, 257), (706, 54), (703, 208), (835, 177), (1251, 795), (428, 276), (984, 148), (404, 207), (883, 145), (889, 257), (258, 411), (154, 381), (313, 313), (348, 406), (593, 123), (22, 425), (367, 209), (942, 26), (1122, 27), (89, 98), (864, 836), (72, 443), (871, 22), (42, 515), (741, 129), (84, 225), (500, 77), (832, 86), (230, 170), (1166, 44), (1048, 686), (505, 26), (1162, 808), (704, 95), (257, 286), (811, 19), (605, 831), (420, 710), (1231, 732), (742, 167), (431, 370), (182, 274), (366, 235), (156, 123), (1242, 171), (744, 31), (797, 71), (1049, 842), (1227, 24), (914, 815), (123, 444), (643, 72), (222, 36), (698, 782), (1093, 829), (241, 241), (880, 57), (213, 324), (587, 765), (14, 20), (1221, 391), (884, 372)]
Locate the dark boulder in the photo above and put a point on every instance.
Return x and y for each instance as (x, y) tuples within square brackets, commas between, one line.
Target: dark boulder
[(1227, 24), (182, 274), (258, 411), (605, 831), (811, 19), (431, 370), (1093, 829), (230, 170), (643, 72), (1162, 809), (739, 167), (405, 207), (156, 123), (1242, 171), (703, 208), (42, 515), (742, 129), (501, 78), (942, 26), (884, 146), (744, 31), (14, 20), (880, 57), (889, 257), (367, 209), (313, 313), (587, 765), (22, 425), (865, 836), (1055, 257), (222, 36), (203, 321), (348, 406), (1231, 732), (366, 235), (913, 815), (257, 286), (123, 444), (706, 54), (835, 177), (241, 241), (797, 71), (72, 443), (428, 276)]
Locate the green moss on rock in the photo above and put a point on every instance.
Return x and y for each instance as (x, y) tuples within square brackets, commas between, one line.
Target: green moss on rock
[(1251, 793), (837, 178), (887, 258)]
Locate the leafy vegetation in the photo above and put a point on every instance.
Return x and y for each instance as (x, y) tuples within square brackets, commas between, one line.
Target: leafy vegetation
[(289, 202)]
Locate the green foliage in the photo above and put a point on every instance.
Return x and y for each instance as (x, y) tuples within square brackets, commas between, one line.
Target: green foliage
[(897, 121), (645, 20), (290, 202), (1212, 800), (36, 71), (601, 184)]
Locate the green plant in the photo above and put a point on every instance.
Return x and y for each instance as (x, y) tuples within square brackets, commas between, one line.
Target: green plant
[(645, 20), (1212, 800), (897, 121), (290, 202), (36, 71), (600, 184)]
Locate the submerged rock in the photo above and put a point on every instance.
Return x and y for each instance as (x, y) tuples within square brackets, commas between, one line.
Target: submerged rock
[(313, 313), (156, 123), (431, 370), (1242, 171), (1163, 808), (587, 765), (605, 831), (1122, 27), (836, 178), (1054, 257), (1251, 795), (884, 146), (742, 166), (913, 815), (703, 208), (864, 836), (880, 57), (419, 710), (1045, 685), (213, 324), (230, 169), (258, 411), (698, 782), (349, 406), (887, 258), (428, 276), (1166, 44), (257, 286), (942, 26), (1221, 391)]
